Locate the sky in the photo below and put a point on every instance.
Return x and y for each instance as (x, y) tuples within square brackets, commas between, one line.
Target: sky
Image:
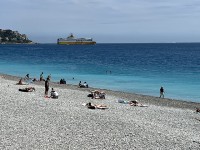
[(106, 21)]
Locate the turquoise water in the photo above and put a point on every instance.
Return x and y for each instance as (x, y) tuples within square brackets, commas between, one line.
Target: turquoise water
[(136, 68)]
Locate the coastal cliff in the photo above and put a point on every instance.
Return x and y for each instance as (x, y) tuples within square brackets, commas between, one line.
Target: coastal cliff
[(13, 37)]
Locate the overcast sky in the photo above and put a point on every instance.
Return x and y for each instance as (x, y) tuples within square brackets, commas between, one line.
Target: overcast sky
[(106, 21)]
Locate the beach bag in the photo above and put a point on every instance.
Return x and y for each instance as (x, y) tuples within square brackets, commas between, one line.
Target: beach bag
[(90, 95)]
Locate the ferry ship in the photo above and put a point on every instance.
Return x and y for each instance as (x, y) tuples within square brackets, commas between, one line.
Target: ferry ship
[(71, 40)]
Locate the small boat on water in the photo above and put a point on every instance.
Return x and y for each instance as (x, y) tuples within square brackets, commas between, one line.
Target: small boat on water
[(71, 40)]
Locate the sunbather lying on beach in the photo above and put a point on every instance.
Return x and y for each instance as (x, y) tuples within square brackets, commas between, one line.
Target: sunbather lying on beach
[(97, 94), (135, 103), (95, 106), (28, 89), (90, 106)]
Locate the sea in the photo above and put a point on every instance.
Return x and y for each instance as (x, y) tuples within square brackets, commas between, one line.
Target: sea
[(140, 68)]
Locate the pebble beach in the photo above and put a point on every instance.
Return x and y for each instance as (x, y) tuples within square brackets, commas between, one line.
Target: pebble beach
[(31, 121)]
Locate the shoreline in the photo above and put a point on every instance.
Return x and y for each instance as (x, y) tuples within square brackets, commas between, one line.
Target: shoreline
[(31, 121), (122, 95)]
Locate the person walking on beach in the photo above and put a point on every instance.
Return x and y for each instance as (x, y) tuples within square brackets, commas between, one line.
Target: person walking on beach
[(161, 92), (46, 86)]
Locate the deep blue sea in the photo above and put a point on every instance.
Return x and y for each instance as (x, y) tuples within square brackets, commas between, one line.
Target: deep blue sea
[(135, 68)]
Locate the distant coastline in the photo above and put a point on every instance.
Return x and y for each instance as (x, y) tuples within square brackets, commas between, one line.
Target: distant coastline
[(13, 37)]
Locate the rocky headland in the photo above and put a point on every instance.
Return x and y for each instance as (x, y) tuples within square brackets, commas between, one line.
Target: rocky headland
[(13, 37)]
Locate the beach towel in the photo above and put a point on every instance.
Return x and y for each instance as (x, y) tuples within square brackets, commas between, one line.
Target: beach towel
[(142, 105), (122, 101), (47, 96), (28, 81), (101, 107), (21, 84)]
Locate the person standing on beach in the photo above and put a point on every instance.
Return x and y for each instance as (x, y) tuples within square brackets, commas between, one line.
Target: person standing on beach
[(46, 86), (161, 92), (49, 77), (41, 77)]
